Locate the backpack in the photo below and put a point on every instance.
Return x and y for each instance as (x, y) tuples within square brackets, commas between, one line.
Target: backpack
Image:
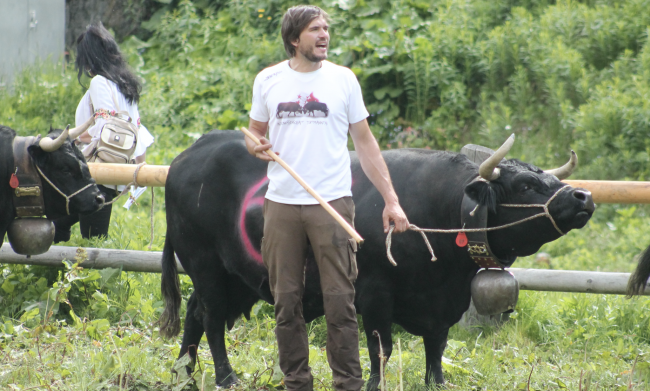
[(117, 138)]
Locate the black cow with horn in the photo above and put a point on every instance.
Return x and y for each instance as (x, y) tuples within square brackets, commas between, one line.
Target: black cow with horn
[(639, 278), (214, 196), (45, 176)]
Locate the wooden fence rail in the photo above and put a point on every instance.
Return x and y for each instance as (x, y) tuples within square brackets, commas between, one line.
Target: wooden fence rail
[(149, 261)]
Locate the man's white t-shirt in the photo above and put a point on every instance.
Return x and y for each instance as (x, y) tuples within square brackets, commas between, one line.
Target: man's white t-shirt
[(309, 115)]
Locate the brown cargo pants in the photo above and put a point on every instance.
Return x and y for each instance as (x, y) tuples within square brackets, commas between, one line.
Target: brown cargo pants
[(287, 230)]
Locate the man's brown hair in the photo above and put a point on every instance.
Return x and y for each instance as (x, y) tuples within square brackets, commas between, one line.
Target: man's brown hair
[(295, 20)]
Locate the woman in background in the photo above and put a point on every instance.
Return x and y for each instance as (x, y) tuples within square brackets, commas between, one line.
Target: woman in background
[(99, 57)]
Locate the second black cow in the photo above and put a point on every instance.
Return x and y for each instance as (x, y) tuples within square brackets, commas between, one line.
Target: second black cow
[(67, 184), (214, 194)]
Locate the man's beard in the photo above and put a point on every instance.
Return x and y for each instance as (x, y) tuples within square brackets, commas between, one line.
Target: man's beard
[(309, 55)]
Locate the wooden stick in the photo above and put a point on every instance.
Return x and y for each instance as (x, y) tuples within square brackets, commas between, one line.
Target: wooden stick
[(122, 174), (149, 262), (311, 191), (615, 192)]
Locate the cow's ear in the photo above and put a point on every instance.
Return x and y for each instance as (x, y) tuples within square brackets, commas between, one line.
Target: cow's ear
[(484, 193), (37, 153)]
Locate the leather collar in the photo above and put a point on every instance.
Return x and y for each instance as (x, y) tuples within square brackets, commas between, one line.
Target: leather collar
[(474, 215), (28, 196)]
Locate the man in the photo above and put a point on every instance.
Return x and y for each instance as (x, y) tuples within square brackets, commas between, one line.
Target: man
[(308, 104)]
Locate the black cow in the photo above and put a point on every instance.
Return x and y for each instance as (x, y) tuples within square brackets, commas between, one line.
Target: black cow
[(213, 196), (288, 107), (639, 279), (62, 163), (310, 107)]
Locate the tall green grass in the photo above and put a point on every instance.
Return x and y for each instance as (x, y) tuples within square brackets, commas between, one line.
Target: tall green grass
[(556, 339)]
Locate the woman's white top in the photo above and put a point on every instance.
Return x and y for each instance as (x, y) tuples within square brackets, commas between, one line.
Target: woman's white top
[(101, 93)]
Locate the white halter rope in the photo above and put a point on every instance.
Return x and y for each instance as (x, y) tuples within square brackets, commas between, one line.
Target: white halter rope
[(126, 189), (422, 231), (67, 198)]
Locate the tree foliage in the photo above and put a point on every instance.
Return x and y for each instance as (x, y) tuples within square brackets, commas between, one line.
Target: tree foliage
[(435, 74)]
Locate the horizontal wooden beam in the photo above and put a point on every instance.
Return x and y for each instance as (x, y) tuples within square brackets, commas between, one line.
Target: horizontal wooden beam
[(616, 192), (149, 262), (122, 174), (607, 192)]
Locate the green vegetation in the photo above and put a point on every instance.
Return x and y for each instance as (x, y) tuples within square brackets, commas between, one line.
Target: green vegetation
[(435, 74)]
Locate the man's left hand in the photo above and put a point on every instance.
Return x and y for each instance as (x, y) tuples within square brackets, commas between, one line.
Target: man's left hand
[(393, 212)]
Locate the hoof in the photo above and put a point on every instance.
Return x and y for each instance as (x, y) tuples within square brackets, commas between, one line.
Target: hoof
[(373, 383), (230, 380)]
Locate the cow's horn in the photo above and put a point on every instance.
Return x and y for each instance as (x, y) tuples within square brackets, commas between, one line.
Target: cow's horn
[(76, 132), (566, 170), (488, 169), (47, 144)]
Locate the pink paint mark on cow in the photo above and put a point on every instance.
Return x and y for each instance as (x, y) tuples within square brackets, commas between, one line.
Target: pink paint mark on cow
[(250, 201)]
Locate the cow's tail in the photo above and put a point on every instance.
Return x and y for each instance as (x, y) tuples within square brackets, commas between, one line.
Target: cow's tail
[(170, 321), (638, 279)]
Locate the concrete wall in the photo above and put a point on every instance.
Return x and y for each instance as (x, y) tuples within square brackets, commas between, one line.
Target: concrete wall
[(30, 30)]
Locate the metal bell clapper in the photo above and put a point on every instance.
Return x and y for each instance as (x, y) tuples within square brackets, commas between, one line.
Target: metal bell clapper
[(494, 292), (30, 235)]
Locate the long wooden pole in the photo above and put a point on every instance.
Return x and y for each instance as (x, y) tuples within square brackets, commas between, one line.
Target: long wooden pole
[(605, 192), (149, 261), (95, 258), (572, 281), (122, 174), (309, 189), (615, 192)]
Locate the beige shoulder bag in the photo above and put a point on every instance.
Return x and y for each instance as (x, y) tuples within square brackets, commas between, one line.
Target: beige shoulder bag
[(117, 138)]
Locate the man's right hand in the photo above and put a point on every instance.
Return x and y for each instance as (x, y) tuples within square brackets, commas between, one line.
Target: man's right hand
[(260, 150), (259, 130)]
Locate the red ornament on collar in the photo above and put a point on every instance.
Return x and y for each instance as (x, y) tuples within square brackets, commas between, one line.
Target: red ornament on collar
[(461, 239), (13, 181)]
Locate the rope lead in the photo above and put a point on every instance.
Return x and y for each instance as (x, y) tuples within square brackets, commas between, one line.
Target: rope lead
[(422, 231)]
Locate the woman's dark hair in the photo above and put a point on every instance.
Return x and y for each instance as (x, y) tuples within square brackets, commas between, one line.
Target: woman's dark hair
[(98, 54), (294, 21)]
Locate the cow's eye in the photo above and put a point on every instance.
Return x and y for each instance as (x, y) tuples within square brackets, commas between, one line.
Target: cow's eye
[(525, 188)]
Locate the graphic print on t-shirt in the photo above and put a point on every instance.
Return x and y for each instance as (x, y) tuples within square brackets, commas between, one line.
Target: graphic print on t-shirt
[(305, 105)]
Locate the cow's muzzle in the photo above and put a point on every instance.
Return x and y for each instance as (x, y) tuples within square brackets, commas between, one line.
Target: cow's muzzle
[(100, 200), (584, 197)]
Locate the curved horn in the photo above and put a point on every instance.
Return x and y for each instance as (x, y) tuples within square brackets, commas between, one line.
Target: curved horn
[(566, 170), (47, 144), (488, 169), (76, 132)]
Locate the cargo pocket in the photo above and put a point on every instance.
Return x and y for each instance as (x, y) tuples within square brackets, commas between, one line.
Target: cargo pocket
[(352, 253), (262, 251)]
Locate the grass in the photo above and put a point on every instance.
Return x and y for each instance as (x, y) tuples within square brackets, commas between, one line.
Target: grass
[(553, 340)]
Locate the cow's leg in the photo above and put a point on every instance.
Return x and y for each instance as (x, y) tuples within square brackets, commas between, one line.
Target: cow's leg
[(63, 226), (434, 347), (377, 317), (193, 330), (211, 291)]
